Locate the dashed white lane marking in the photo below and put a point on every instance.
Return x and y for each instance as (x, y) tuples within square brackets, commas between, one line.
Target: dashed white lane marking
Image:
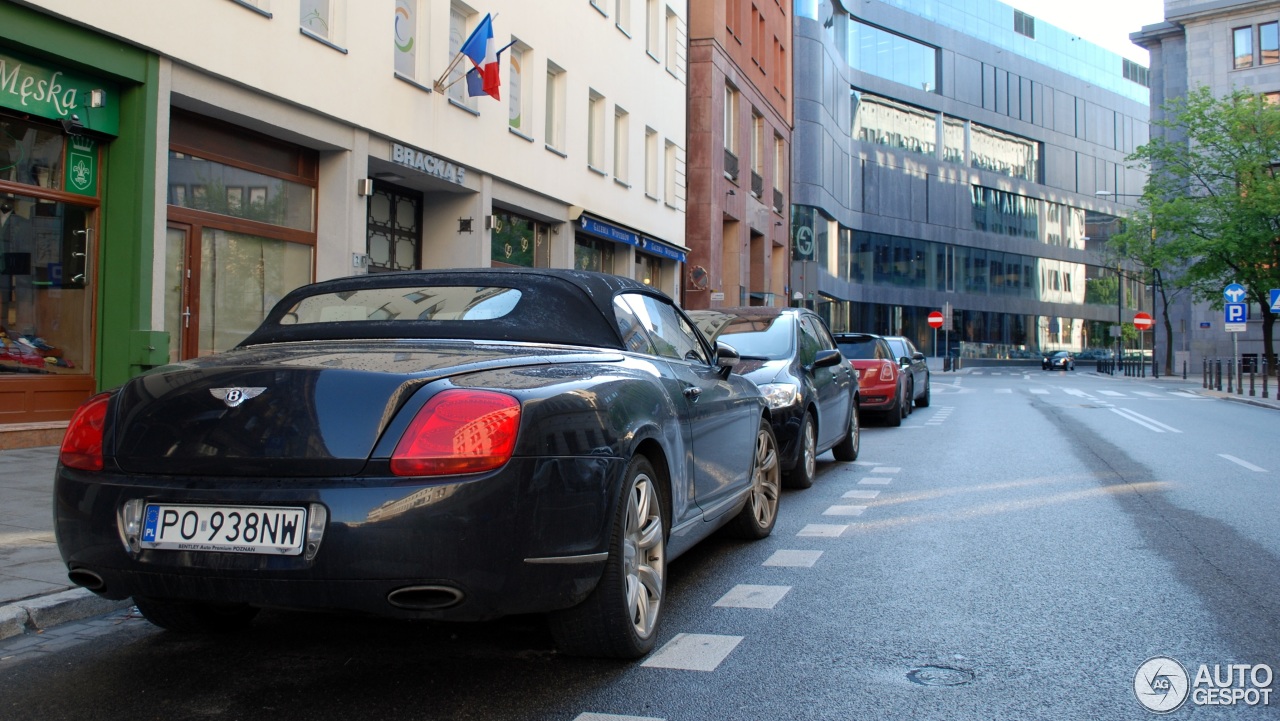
[(1149, 394), (793, 559), (748, 596), (860, 494), (875, 481), (693, 652), (886, 469), (1113, 394), (1192, 396), (822, 530), (1243, 463), (844, 511), (613, 717), (1040, 391)]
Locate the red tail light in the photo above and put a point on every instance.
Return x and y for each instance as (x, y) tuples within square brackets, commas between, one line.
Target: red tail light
[(887, 371), (82, 444), (458, 431)]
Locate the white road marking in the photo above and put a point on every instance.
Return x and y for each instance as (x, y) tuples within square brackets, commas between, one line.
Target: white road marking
[(1040, 391), (860, 494), (822, 530), (613, 717), (1148, 394), (886, 469), (1244, 463), (1077, 392), (1116, 394), (844, 511), (748, 596), (1142, 420), (875, 481), (693, 652), (793, 559)]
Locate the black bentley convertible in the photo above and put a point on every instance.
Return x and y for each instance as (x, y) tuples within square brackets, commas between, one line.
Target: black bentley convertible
[(459, 444)]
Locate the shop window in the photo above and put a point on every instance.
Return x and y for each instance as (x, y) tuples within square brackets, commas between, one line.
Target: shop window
[(592, 254), (649, 270), (517, 241)]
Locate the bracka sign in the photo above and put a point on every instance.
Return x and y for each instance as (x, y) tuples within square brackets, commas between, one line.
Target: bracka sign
[(30, 87)]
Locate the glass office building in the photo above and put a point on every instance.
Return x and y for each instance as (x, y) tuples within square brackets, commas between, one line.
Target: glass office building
[(961, 155)]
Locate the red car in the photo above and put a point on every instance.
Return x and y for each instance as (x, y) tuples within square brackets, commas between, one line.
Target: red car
[(882, 385)]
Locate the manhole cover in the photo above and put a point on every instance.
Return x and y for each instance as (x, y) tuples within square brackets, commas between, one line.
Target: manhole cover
[(940, 676)]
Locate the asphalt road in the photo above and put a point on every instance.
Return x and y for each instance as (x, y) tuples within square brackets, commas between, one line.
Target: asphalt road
[(1015, 551)]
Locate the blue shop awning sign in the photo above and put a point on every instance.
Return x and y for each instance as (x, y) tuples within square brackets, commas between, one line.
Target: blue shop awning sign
[(609, 231)]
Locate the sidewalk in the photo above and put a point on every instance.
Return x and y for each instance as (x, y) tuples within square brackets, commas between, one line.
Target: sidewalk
[(35, 593)]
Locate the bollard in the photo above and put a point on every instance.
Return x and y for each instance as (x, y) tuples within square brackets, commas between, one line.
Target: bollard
[(1155, 367), (1204, 373), (946, 363), (1251, 373), (1217, 362), (1239, 366), (1230, 374), (1264, 377)]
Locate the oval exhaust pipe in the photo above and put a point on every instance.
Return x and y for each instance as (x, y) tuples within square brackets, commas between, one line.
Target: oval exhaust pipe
[(425, 598), (86, 579)]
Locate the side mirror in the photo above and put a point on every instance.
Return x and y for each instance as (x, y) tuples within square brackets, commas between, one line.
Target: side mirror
[(919, 356), (904, 361), (827, 357), (726, 356)]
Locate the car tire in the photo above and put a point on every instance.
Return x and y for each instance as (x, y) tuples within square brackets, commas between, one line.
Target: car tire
[(756, 519), (897, 413), (195, 616), (619, 618), (847, 449), (807, 459), (924, 400), (909, 406)]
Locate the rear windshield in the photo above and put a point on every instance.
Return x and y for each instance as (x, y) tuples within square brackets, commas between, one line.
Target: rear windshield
[(860, 349), (754, 337), (443, 303)]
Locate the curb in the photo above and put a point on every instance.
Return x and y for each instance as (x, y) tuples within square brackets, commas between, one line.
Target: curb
[(37, 614)]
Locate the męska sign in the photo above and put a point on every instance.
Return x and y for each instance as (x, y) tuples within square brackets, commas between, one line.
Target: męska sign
[(31, 87)]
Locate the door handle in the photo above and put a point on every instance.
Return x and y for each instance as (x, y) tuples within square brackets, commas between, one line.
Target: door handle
[(692, 393)]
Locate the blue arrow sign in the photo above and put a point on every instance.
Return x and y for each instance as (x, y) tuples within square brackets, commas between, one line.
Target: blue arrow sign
[(1234, 293), (1275, 300), (1236, 312)]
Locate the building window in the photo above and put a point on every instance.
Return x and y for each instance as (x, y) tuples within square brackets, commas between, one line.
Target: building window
[(673, 159), (592, 254), (1242, 47), (1269, 42), (555, 107), (1004, 154), (519, 103), (674, 42), (884, 122), (621, 145), (651, 162), (649, 269), (315, 17), (595, 130), (622, 15), (406, 38), (891, 56), (459, 19), (732, 15), (757, 154), (1024, 24), (651, 27), (1136, 73)]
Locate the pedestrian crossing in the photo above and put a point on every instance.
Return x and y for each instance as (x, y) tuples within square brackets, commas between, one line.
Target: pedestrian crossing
[(942, 389)]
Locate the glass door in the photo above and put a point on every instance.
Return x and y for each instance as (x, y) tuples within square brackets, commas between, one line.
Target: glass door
[(178, 303)]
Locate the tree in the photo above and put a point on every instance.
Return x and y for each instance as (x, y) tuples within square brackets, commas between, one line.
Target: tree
[(1210, 212)]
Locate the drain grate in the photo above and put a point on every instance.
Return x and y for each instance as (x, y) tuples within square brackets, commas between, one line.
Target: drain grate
[(941, 676)]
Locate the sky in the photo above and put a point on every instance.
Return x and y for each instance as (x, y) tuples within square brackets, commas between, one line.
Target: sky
[(1101, 22)]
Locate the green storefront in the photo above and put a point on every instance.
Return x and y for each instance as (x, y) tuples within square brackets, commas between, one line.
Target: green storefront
[(78, 158)]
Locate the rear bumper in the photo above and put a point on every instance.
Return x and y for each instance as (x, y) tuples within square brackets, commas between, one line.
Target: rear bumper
[(488, 537)]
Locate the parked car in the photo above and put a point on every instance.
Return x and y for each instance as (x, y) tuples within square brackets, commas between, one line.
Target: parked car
[(915, 366), (459, 444), (1059, 360), (883, 385), (812, 393)]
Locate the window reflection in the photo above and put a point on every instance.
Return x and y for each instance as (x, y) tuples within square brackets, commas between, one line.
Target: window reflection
[(884, 122), (227, 190), (891, 56), (1005, 154)]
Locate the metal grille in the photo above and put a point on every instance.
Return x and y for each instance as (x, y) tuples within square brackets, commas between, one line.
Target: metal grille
[(393, 235)]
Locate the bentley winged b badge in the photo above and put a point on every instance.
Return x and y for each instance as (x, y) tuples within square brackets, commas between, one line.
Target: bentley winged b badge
[(235, 396)]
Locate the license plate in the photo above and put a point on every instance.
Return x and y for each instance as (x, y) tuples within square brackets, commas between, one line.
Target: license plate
[(226, 529)]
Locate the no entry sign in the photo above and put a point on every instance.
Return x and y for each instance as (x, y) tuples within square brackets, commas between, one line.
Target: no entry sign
[(935, 319), (1143, 321)]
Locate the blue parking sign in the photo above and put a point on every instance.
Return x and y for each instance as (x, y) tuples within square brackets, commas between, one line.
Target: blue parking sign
[(1275, 300), (1236, 312)]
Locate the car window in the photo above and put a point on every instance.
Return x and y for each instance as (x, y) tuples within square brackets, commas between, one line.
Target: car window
[(754, 336), (865, 349), (415, 303), (897, 347), (633, 331), (672, 336), (883, 351), (809, 343)]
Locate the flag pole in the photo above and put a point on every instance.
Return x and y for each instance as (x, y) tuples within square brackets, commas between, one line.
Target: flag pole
[(439, 85)]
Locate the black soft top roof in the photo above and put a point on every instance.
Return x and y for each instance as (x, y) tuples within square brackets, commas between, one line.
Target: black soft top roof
[(556, 306)]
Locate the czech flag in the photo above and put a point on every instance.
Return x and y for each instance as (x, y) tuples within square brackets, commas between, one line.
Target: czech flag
[(479, 48)]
